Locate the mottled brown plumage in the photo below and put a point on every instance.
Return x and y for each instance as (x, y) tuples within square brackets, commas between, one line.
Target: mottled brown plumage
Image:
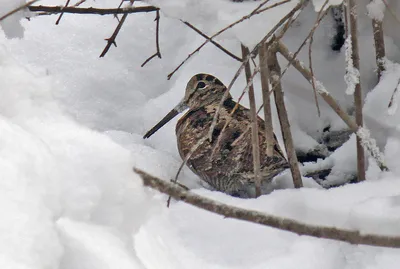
[(230, 168)]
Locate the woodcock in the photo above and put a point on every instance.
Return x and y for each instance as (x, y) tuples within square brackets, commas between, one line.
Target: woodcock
[(229, 167)]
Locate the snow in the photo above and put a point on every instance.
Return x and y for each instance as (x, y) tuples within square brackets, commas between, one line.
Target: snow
[(376, 10), (71, 132)]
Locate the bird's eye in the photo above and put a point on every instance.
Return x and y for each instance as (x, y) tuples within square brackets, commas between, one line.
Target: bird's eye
[(200, 85)]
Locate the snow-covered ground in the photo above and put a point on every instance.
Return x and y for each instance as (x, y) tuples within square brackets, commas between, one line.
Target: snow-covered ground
[(71, 127)]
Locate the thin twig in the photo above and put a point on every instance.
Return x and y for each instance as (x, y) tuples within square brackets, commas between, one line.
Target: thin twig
[(111, 40), (17, 9), (212, 41), (310, 60), (255, 140), (158, 52), (62, 13), (354, 237), (298, 7), (79, 3), (394, 95), (91, 10), (245, 90), (316, 24), (254, 12)]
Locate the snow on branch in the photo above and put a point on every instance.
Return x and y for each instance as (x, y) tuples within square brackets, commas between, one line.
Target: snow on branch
[(352, 76), (285, 224)]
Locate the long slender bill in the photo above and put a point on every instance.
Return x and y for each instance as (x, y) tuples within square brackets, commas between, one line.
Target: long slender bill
[(178, 109)]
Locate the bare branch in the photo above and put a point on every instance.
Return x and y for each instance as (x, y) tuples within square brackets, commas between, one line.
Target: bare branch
[(350, 236), (17, 9), (91, 10)]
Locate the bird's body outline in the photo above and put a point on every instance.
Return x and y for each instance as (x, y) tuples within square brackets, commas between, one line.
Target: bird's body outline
[(229, 167)]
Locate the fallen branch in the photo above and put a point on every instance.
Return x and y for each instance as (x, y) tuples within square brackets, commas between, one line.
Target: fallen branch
[(350, 236)]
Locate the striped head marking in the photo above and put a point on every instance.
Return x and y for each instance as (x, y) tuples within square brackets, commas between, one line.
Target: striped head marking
[(203, 89)]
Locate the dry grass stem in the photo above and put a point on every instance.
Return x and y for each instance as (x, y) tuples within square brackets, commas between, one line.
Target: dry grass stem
[(269, 131), (377, 28), (255, 140), (358, 101), (310, 58), (275, 74)]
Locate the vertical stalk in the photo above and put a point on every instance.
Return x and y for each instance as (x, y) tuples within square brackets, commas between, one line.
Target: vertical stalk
[(269, 131), (377, 27), (358, 102), (275, 74), (254, 127)]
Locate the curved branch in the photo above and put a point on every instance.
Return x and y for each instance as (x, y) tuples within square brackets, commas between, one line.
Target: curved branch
[(285, 224)]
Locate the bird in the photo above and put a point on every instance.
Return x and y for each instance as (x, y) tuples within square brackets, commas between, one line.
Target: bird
[(225, 162)]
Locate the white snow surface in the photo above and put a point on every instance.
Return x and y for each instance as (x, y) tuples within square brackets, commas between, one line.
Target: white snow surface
[(71, 127)]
